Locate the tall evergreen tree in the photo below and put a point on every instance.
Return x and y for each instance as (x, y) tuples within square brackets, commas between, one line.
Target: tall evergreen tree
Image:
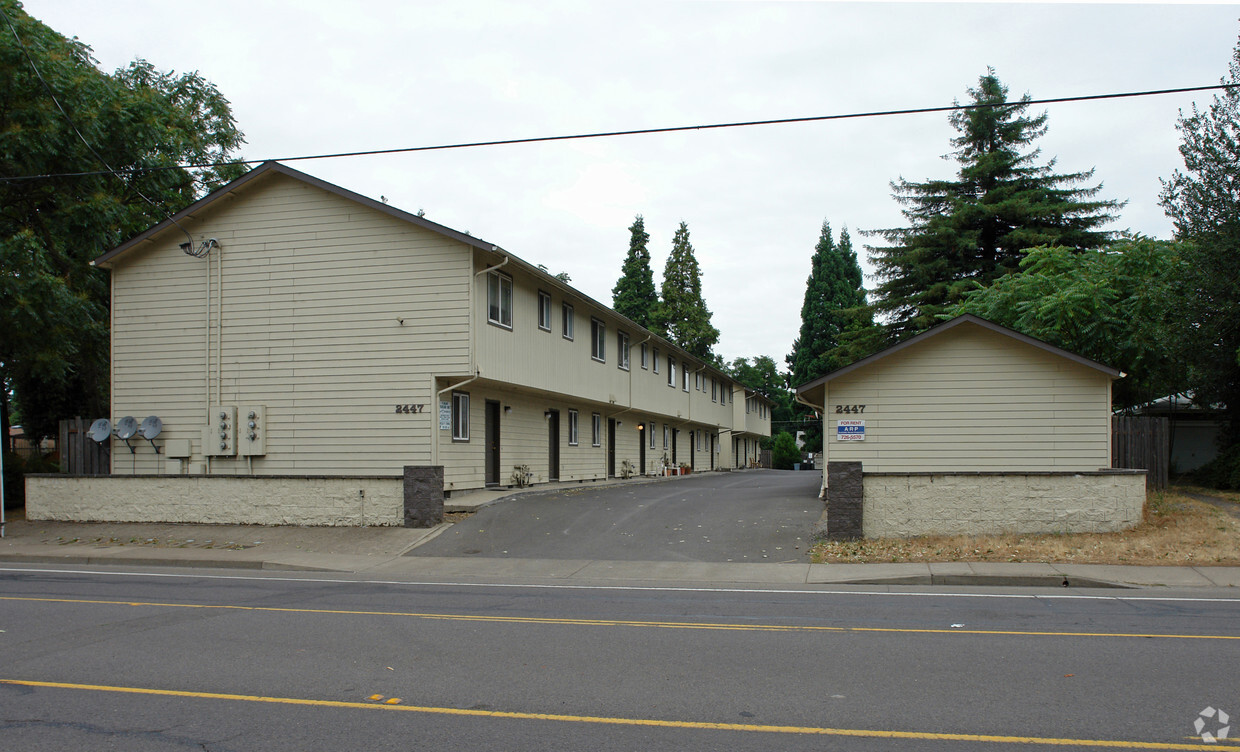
[(683, 313), (634, 295), (972, 229), (1204, 203), (834, 304)]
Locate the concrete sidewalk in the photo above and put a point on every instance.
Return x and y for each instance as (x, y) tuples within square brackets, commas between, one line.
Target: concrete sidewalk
[(379, 551)]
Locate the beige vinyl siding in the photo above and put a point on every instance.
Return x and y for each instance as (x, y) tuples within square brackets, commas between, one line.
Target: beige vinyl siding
[(530, 357), (314, 288), (525, 439), (970, 399)]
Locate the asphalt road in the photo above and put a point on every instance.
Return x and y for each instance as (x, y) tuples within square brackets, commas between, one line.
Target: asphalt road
[(754, 516), (189, 660)]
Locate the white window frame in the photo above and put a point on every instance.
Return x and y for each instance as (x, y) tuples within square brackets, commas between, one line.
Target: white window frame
[(650, 430), (566, 313), (544, 311), (598, 340), (596, 429), (671, 372), (655, 365), (699, 440), (622, 344), (714, 390), (684, 377), (665, 427), (572, 428), (645, 356), (723, 393), (499, 307), (460, 416)]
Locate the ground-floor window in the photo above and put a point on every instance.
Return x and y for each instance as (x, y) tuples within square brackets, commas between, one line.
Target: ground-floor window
[(572, 428), (597, 435), (665, 437), (460, 416), (650, 431)]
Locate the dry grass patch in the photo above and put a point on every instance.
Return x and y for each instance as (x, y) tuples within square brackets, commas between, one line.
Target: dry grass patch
[(1176, 530)]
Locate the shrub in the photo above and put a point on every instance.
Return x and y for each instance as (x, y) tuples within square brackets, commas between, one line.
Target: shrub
[(1223, 471), (784, 452)]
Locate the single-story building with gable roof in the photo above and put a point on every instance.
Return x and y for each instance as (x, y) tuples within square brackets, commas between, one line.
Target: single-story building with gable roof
[(971, 427)]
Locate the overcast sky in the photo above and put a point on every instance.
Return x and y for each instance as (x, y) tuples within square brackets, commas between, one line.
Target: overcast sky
[(317, 77)]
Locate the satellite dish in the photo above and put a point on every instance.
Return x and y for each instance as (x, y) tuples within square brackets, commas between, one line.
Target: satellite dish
[(126, 427), (151, 427), (100, 431)]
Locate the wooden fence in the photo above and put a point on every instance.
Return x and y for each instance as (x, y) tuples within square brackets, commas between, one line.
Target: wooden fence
[(78, 454), (1142, 444)]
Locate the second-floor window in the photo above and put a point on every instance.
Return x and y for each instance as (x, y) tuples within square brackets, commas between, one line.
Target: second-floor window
[(714, 390), (598, 340), (645, 355), (568, 321), (622, 350), (684, 376), (656, 360), (544, 311), (671, 371), (499, 299)]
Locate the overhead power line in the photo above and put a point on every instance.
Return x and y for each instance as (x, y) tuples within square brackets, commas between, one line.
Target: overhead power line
[(647, 131)]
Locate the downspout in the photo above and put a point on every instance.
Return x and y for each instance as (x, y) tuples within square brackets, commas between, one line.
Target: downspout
[(493, 268), (219, 327), (435, 444), (206, 365)]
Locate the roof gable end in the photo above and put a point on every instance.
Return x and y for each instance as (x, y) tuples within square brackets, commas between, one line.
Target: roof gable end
[(261, 172), (967, 319)]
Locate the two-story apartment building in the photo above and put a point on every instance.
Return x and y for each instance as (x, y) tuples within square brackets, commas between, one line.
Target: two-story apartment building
[(304, 330)]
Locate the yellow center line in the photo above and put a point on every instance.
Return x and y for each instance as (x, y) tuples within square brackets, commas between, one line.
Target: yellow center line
[(619, 721), (619, 622)]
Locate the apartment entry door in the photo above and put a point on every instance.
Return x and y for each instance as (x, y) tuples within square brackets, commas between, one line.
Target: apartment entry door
[(611, 447), (492, 443), (553, 445), (641, 451)]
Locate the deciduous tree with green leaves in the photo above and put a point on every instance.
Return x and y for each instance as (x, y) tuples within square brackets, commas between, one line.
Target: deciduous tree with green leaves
[(1120, 305), (60, 114), (976, 227), (634, 295), (683, 313), (1203, 201), (834, 304)]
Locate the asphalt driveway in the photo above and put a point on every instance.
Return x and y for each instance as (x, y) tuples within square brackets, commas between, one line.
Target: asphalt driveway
[(746, 516)]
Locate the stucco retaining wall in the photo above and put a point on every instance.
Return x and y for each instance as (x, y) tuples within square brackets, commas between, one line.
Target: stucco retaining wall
[(908, 504), (233, 500)]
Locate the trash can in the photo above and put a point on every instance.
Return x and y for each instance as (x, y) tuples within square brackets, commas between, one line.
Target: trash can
[(796, 466)]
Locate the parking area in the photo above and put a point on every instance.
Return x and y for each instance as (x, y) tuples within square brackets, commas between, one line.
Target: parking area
[(761, 516)]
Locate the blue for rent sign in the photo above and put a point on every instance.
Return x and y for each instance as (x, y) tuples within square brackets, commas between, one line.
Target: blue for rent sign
[(850, 430)]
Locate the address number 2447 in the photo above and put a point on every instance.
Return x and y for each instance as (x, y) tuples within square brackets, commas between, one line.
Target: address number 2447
[(849, 409)]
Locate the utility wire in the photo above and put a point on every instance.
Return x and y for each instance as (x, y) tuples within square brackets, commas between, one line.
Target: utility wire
[(646, 131)]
